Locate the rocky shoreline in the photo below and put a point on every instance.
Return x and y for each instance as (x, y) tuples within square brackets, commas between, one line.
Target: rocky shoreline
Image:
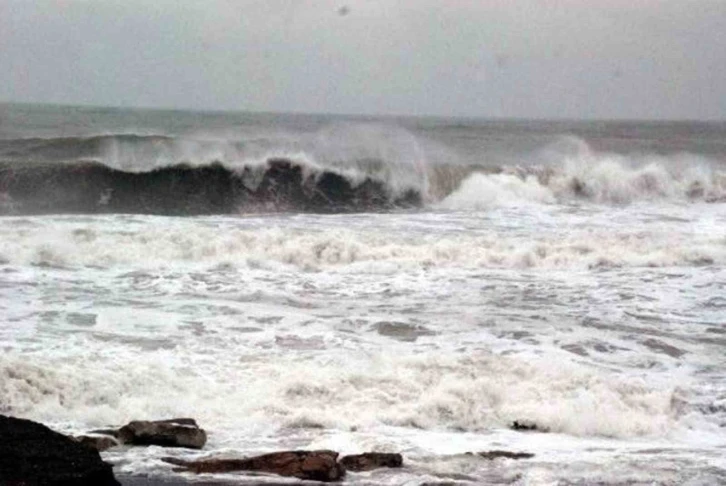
[(32, 454)]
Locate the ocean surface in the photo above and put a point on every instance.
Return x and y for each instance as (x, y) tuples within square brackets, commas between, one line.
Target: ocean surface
[(411, 285)]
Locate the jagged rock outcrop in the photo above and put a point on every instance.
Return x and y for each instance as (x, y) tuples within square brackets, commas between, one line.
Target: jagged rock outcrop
[(33, 455), (371, 460), (180, 432), (308, 465), (97, 442)]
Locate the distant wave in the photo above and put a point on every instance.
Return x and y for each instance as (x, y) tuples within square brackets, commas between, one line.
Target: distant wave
[(277, 184), (73, 148)]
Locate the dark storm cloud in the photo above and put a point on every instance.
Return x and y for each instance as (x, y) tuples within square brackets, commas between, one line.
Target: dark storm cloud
[(522, 58)]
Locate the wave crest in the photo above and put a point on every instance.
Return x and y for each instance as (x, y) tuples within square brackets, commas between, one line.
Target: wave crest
[(601, 178), (341, 168), (276, 184)]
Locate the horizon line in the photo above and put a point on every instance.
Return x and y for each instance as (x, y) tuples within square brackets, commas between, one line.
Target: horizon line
[(361, 115)]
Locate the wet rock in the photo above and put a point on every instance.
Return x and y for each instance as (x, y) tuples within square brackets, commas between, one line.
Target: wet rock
[(182, 432), (32, 454), (527, 426), (309, 465), (371, 460), (97, 442), (491, 455)]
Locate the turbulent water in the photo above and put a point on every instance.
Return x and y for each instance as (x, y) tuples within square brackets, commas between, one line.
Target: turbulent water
[(404, 285)]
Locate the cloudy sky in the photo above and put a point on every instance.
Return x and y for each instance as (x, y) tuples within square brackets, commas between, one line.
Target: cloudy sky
[(483, 58)]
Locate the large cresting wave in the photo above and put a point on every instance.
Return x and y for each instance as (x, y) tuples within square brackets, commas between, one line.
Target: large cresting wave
[(276, 184), (355, 169), (187, 175)]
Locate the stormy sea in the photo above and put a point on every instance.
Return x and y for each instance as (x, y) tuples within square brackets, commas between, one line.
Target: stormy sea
[(424, 286)]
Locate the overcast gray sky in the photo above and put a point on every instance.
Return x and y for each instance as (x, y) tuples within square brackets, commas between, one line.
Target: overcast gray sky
[(487, 58)]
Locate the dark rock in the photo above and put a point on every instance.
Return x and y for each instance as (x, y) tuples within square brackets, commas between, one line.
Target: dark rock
[(371, 460), (97, 442), (167, 433), (311, 465), (33, 455), (491, 455), (524, 426)]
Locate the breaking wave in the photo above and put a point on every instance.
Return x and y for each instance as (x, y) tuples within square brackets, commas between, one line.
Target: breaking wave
[(579, 173), (340, 169), (68, 244), (349, 392), (368, 170), (276, 184)]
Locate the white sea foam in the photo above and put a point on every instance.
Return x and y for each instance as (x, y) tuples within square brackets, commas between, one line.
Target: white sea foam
[(581, 292), (65, 243), (353, 391), (603, 178), (480, 191), (407, 328)]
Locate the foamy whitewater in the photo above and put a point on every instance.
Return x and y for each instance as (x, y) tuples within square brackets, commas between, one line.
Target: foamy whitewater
[(399, 285)]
